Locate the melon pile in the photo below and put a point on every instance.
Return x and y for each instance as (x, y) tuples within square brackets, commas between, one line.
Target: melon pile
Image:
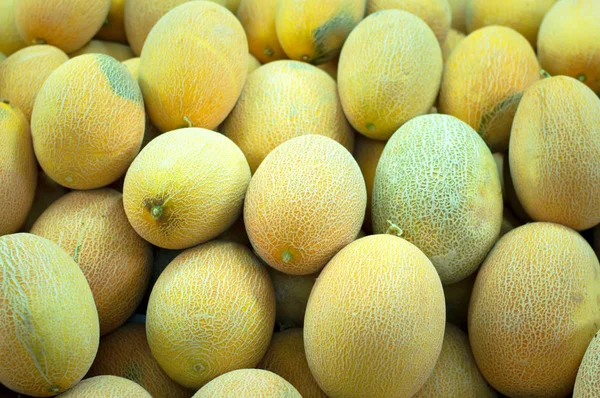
[(300, 198)]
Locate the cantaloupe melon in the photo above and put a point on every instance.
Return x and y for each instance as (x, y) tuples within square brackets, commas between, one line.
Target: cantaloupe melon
[(459, 14), (92, 227), (186, 187), (437, 186), (253, 63), (291, 294), (106, 387), (125, 353), (118, 51), (47, 191), (534, 310), (283, 100), (367, 153), (375, 320), (88, 122), (452, 41), (286, 358), (66, 24), (10, 39), (49, 321), (567, 41), (305, 202), (249, 383), (389, 72), (458, 296), (222, 324), (113, 28), (555, 153), (24, 73), (193, 66), (258, 19), (587, 383), (133, 66)]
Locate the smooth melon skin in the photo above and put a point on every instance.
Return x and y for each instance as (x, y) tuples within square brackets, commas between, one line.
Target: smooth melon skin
[(555, 153), (50, 327), (253, 63), (88, 122), (367, 153), (248, 383), (18, 169), (534, 310), (106, 387), (452, 41), (291, 294), (113, 28), (47, 191), (484, 79), (24, 73), (66, 24), (133, 66), (459, 14), (258, 19), (268, 111), (437, 186), (118, 51), (193, 66), (305, 202), (389, 71), (567, 44), (587, 383), (10, 39)]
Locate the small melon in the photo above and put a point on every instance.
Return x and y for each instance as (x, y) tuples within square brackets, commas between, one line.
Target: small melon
[(47, 191), (106, 387), (118, 51), (291, 294), (459, 14), (248, 383), (587, 383), (258, 19), (367, 153), (10, 39), (253, 63), (113, 28), (452, 41)]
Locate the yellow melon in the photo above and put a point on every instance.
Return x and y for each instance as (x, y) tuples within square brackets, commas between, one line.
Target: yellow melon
[(185, 187), (534, 310), (555, 153), (133, 66), (248, 383), (125, 353), (437, 186), (10, 39), (291, 294), (24, 73), (49, 321), (305, 202), (113, 28), (484, 79), (389, 72), (457, 297), (88, 122), (283, 100), (452, 41), (68, 24), (587, 383), (367, 153), (118, 51), (193, 66), (459, 14), (47, 191), (222, 324), (567, 41), (286, 358), (253, 63), (106, 387), (258, 19), (18, 169)]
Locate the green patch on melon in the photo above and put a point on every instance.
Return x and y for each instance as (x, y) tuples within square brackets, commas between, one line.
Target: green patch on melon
[(121, 82)]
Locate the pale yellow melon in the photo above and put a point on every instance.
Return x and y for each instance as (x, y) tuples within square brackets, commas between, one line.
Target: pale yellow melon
[(459, 14), (249, 383), (253, 63), (457, 297), (113, 28), (258, 19), (133, 66), (291, 294), (118, 51), (452, 41), (587, 383), (10, 39), (106, 387), (47, 191), (367, 153)]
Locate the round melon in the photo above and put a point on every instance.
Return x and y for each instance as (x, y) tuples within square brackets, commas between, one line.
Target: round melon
[(253, 63), (458, 296), (587, 383), (534, 310), (367, 153), (248, 383), (305, 202), (389, 72), (118, 51), (555, 153), (222, 324), (258, 19), (113, 28), (133, 66), (49, 321), (291, 294), (283, 100), (106, 387), (193, 66), (10, 39), (459, 14), (452, 41), (47, 191), (185, 188)]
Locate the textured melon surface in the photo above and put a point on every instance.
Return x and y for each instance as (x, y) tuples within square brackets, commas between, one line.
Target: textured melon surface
[(452, 41), (367, 153), (118, 51), (291, 293), (10, 39), (587, 383), (106, 387), (249, 383), (113, 28), (459, 14), (258, 19)]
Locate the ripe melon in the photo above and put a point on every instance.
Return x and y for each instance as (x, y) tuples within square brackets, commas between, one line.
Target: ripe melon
[(133, 66), (534, 310), (305, 202), (49, 321), (24, 73), (367, 153), (68, 24), (18, 169), (286, 358), (389, 72), (253, 63), (437, 186), (118, 51), (113, 28), (587, 383), (452, 41), (193, 66), (291, 294), (459, 14), (88, 122), (106, 387), (219, 325), (258, 19), (283, 100), (10, 39), (185, 187), (567, 41), (457, 297), (248, 383), (484, 80), (47, 191), (555, 153)]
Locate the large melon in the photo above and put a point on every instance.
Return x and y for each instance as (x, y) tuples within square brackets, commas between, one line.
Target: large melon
[(10, 39), (248, 383), (587, 383), (258, 19), (106, 387)]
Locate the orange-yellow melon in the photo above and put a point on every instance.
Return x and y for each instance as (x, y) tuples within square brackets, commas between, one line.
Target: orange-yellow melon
[(106, 387), (125, 353), (459, 14), (253, 63), (88, 122), (248, 383), (185, 187), (587, 383), (66, 24), (484, 79), (92, 227), (18, 169), (534, 310), (10, 39), (452, 41), (389, 71), (555, 153), (49, 321), (286, 358), (437, 186), (375, 320), (305, 202), (24, 73), (113, 28), (133, 66), (258, 19), (568, 43), (222, 324), (283, 100), (47, 191), (118, 51), (367, 153), (291, 294), (457, 297), (193, 66)]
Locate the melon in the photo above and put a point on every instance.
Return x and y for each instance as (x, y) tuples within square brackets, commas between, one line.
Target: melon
[(106, 387), (367, 153), (452, 41), (587, 383), (253, 63), (10, 39), (249, 383), (291, 294), (458, 296), (47, 191), (118, 51), (459, 14), (133, 66), (113, 28), (258, 19)]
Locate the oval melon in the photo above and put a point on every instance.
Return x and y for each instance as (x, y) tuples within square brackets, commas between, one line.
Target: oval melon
[(291, 294), (118, 51), (248, 383), (10, 39), (258, 19), (367, 153), (587, 383), (113, 28), (106, 387), (459, 14)]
